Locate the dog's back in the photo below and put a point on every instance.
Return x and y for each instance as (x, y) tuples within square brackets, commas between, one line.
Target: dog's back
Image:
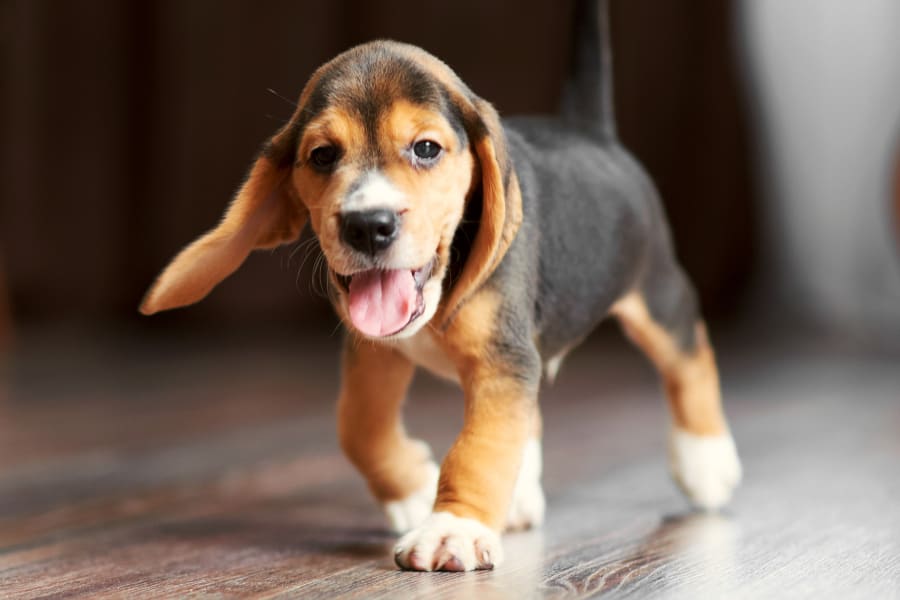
[(592, 216)]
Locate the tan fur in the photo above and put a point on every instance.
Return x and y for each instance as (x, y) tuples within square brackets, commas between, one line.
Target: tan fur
[(466, 339), (374, 383), (691, 380), (537, 424), (439, 191), (500, 220), (333, 126), (479, 471), (434, 196), (322, 194)]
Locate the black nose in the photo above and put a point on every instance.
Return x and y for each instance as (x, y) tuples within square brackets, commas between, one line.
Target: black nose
[(370, 231)]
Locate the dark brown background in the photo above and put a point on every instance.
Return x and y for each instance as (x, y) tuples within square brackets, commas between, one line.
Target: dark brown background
[(203, 460), (127, 125)]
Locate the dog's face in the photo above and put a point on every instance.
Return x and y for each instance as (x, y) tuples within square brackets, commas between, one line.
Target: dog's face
[(384, 167), (384, 154)]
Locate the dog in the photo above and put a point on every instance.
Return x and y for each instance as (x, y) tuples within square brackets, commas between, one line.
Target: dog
[(482, 250)]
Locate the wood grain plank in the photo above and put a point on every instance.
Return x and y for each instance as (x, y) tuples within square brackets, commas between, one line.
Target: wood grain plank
[(223, 478)]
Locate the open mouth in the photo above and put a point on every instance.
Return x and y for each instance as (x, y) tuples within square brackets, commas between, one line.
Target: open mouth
[(383, 302)]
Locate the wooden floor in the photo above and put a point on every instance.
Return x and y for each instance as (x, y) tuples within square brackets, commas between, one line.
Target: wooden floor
[(158, 468)]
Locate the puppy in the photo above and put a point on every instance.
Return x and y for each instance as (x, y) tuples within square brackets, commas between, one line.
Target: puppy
[(483, 251)]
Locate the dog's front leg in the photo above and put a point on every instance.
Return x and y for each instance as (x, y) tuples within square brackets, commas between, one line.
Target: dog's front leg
[(399, 470), (479, 472)]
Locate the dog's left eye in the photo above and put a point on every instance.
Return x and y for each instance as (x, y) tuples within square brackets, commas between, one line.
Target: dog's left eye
[(426, 150)]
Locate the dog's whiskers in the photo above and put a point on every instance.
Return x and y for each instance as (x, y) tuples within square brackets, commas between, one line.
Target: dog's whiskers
[(319, 284), (312, 287), (277, 95), (306, 247), (279, 119)]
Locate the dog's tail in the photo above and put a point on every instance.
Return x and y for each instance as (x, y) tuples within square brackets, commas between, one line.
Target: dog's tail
[(588, 96)]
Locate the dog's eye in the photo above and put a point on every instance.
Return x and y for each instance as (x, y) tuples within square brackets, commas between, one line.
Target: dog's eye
[(426, 150), (324, 157)]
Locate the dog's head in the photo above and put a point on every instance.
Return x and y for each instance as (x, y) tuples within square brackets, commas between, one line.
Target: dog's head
[(385, 154)]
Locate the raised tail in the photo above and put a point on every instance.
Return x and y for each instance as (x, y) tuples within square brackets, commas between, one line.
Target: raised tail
[(588, 95)]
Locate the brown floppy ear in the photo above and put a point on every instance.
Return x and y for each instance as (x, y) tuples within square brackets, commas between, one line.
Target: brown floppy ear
[(265, 213), (501, 210)]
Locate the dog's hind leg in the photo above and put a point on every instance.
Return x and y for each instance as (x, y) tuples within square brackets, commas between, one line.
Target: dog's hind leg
[(399, 470), (662, 318)]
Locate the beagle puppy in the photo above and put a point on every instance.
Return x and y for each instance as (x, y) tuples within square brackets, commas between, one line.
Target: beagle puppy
[(482, 250)]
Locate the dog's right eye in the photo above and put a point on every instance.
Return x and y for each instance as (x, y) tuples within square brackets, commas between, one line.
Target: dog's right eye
[(324, 157)]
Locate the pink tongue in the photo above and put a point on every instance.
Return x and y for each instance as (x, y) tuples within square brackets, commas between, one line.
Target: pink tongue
[(381, 302)]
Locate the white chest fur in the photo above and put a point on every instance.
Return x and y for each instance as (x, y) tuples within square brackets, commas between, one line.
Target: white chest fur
[(422, 350)]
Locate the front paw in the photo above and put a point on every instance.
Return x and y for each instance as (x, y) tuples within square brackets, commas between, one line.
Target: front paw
[(706, 468), (445, 542), (410, 512)]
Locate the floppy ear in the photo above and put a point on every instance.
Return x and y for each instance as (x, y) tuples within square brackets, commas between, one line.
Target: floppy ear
[(501, 205), (264, 214)]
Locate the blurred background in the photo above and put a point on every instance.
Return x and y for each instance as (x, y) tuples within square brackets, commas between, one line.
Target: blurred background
[(770, 130)]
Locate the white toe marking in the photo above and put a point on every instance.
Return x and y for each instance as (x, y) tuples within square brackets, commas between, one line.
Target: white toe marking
[(412, 511), (706, 468), (528, 504), (445, 542)]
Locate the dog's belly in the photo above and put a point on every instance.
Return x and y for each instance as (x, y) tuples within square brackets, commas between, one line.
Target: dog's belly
[(424, 352)]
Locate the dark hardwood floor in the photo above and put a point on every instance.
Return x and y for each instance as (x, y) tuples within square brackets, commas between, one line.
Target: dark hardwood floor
[(153, 468)]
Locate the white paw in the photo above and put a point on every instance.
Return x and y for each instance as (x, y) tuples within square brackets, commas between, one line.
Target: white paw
[(445, 542), (412, 511), (706, 468), (527, 507)]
